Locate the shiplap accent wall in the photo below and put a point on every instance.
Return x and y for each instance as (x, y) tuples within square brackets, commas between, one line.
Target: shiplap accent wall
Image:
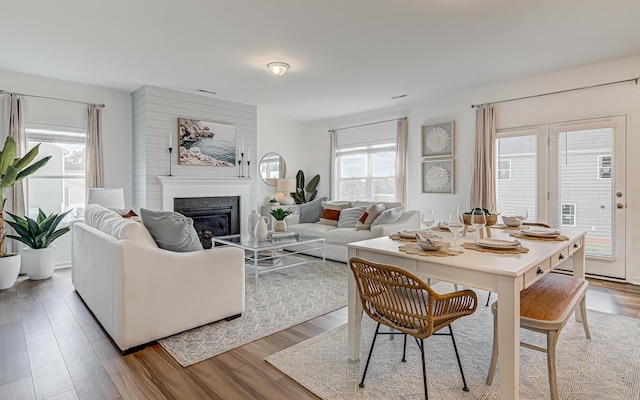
[(155, 113)]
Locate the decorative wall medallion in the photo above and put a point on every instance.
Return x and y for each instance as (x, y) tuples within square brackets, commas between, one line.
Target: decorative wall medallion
[(437, 176), (437, 139)]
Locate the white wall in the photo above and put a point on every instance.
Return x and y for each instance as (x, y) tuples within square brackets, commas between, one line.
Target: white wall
[(618, 99), (116, 117), (155, 114), (285, 137)]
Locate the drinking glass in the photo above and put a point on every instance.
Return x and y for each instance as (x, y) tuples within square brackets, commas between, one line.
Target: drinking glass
[(478, 220), (428, 218), (456, 225), (522, 214)]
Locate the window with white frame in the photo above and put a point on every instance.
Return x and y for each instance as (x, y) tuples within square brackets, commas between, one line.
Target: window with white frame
[(504, 169), (367, 172), (568, 214), (59, 185), (604, 167)]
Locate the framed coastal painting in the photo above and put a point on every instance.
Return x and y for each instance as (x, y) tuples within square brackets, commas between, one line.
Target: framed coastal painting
[(437, 176), (206, 143), (437, 139)]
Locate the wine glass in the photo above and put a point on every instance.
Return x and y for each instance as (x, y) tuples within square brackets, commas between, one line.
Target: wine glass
[(428, 218), (495, 209), (522, 214), (478, 220), (456, 225)]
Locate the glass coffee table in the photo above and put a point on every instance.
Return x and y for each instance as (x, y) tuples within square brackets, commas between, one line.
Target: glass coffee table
[(269, 255)]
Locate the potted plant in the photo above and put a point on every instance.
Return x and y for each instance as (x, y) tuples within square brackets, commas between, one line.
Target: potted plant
[(13, 169), (280, 214), (39, 257)]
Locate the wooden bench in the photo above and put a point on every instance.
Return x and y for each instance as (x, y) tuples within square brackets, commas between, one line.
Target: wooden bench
[(545, 307)]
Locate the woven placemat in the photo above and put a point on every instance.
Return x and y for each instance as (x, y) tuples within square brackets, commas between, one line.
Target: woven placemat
[(473, 246), (558, 238), (506, 228), (396, 236), (413, 248)]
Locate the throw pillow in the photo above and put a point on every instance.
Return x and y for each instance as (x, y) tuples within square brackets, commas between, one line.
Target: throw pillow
[(171, 230), (331, 212), (388, 216), (368, 216), (349, 217), (310, 212)]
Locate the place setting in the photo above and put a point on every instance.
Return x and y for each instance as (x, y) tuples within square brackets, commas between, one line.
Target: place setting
[(539, 233)]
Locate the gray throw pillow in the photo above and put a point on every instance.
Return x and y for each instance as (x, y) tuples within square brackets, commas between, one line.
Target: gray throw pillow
[(310, 212), (388, 216), (349, 217), (171, 230)]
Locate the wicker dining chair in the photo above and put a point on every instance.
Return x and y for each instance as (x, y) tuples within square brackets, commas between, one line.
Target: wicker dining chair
[(546, 307), (400, 300)]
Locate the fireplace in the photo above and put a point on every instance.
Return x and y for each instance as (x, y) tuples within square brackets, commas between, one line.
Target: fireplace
[(212, 216)]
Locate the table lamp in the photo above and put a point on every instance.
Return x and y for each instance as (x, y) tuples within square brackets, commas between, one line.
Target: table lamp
[(286, 186)]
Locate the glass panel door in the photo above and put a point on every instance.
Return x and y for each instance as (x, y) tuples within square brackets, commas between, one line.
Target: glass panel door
[(589, 168)]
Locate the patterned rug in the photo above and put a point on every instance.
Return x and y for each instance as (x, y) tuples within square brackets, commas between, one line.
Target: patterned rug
[(277, 301), (605, 367)]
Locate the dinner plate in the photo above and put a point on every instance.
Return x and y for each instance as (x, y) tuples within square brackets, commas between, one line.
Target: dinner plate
[(497, 243), (407, 234), (541, 232)]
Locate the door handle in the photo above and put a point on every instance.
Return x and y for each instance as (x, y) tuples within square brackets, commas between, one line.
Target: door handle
[(620, 205)]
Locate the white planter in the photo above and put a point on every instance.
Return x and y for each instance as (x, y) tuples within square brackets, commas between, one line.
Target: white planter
[(39, 263), (9, 270), (280, 226)]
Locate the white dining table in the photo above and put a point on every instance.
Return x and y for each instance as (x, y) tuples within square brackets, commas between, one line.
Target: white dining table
[(504, 274)]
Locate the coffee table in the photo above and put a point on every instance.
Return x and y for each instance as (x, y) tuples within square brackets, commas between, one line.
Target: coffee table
[(269, 255)]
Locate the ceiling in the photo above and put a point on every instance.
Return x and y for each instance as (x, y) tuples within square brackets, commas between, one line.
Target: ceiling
[(346, 56)]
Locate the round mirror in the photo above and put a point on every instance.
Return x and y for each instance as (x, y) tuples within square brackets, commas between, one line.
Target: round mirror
[(272, 168)]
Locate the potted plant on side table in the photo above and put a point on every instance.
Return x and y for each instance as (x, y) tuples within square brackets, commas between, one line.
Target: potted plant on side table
[(280, 214), (39, 257), (12, 170)]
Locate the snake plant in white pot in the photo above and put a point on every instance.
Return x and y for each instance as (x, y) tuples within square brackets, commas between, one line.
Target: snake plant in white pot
[(12, 170), (39, 257)]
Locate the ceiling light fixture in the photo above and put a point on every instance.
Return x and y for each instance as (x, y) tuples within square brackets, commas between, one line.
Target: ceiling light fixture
[(278, 68)]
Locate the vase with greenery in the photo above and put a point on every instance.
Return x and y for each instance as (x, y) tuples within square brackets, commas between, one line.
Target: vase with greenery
[(12, 170), (38, 258), (280, 214)]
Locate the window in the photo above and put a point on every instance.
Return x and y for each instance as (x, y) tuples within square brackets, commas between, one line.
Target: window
[(568, 214), (604, 167), (367, 172), (60, 185), (504, 169)]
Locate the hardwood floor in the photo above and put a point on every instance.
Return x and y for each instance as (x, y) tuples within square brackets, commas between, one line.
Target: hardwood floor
[(51, 347)]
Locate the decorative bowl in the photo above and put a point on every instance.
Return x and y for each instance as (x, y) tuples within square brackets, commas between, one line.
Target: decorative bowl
[(491, 219), (511, 221), (430, 245)]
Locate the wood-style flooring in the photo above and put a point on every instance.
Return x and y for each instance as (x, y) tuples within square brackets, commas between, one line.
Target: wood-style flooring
[(51, 347)]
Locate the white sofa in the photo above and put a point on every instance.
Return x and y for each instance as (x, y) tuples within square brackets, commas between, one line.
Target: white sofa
[(336, 239), (140, 292)]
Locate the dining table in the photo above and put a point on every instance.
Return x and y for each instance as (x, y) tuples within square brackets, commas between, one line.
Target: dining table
[(494, 271)]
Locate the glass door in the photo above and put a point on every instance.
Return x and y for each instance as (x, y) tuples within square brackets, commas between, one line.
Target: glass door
[(587, 188)]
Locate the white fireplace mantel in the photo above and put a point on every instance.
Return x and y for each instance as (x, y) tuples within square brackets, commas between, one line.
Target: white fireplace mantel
[(198, 186)]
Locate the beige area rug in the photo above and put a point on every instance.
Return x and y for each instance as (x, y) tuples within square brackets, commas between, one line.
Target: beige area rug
[(605, 367), (277, 301)]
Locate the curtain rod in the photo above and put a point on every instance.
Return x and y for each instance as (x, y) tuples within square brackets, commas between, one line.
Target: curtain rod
[(2, 91), (560, 91), (370, 123)]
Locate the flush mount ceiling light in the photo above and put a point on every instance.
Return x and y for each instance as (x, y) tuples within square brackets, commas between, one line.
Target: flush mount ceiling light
[(278, 68)]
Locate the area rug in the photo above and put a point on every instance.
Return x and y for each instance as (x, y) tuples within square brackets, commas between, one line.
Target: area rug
[(605, 367), (277, 300)]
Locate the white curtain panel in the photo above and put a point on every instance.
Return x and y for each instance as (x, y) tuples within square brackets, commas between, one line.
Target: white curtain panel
[(95, 168), (483, 184), (333, 191), (401, 161), (18, 196)]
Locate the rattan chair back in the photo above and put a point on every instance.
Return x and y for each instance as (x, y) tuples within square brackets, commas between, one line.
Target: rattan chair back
[(401, 300)]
